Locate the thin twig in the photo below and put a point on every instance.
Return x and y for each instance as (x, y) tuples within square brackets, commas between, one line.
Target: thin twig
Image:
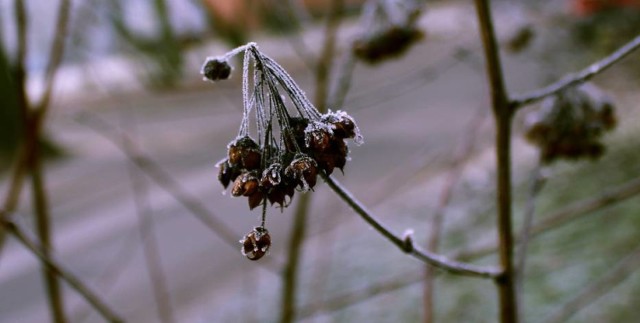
[(162, 178), (566, 215), (353, 297), (446, 193), (406, 245), (617, 274), (537, 183), (503, 117), (149, 241), (55, 55), (576, 78), (71, 279)]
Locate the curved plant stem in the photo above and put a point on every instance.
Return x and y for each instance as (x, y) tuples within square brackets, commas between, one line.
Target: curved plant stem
[(503, 117), (407, 245)]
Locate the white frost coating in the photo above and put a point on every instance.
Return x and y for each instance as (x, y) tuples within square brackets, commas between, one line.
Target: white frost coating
[(407, 234), (315, 129), (273, 173)]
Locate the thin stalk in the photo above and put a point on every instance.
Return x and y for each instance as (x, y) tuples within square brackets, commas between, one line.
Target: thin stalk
[(43, 228), (290, 274), (537, 183), (437, 221), (503, 117), (149, 241), (59, 270), (322, 80)]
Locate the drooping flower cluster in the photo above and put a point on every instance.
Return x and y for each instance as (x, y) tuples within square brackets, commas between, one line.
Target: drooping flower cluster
[(389, 30), (571, 123), (294, 141)]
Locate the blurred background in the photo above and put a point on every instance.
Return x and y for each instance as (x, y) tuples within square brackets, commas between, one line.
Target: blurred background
[(131, 215)]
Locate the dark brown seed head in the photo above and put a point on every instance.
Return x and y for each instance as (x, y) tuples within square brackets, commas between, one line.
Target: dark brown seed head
[(255, 199), (256, 243), (216, 69), (271, 176)]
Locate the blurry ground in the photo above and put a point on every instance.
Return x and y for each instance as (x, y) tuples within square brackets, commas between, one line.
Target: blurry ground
[(412, 114)]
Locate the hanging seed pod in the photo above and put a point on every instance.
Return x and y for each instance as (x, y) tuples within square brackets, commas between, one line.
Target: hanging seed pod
[(255, 199), (256, 243), (245, 185), (216, 69), (227, 173), (318, 137), (244, 152), (304, 170), (297, 131), (271, 176)]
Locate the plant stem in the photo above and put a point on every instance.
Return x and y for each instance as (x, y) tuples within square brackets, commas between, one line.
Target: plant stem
[(290, 275), (502, 114), (43, 228), (406, 245)]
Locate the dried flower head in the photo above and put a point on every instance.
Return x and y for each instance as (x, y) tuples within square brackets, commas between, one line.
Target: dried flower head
[(390, 30), (571, 123), (293, 141)]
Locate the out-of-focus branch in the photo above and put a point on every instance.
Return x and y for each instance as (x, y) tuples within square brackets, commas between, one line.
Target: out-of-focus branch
[(566, 215), (161, 177), (617, 274), (406, 244), (322, 80), (576, 78), (61, 272), (446, 193), (144, 212), (537, 183)]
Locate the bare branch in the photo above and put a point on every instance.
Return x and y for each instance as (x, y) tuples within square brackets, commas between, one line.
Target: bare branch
[(503, 116), (161, 177), (144, 212), (436, 260), (576, 78), (55, 55), (537, 183), (59, 270), (566, 215), (454, 174), (617, 274)]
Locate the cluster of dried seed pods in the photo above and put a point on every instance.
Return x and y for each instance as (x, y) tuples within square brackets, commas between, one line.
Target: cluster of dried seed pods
[(294, 141), (570, 124), (390, 31), (274, 172)]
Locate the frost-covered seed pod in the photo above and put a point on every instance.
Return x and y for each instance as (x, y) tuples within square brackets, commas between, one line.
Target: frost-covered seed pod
[(256, 243)]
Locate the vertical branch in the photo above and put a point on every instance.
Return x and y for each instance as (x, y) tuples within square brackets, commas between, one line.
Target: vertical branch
[(322, 77), (436, 223), (502, 114), (290, 279)]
